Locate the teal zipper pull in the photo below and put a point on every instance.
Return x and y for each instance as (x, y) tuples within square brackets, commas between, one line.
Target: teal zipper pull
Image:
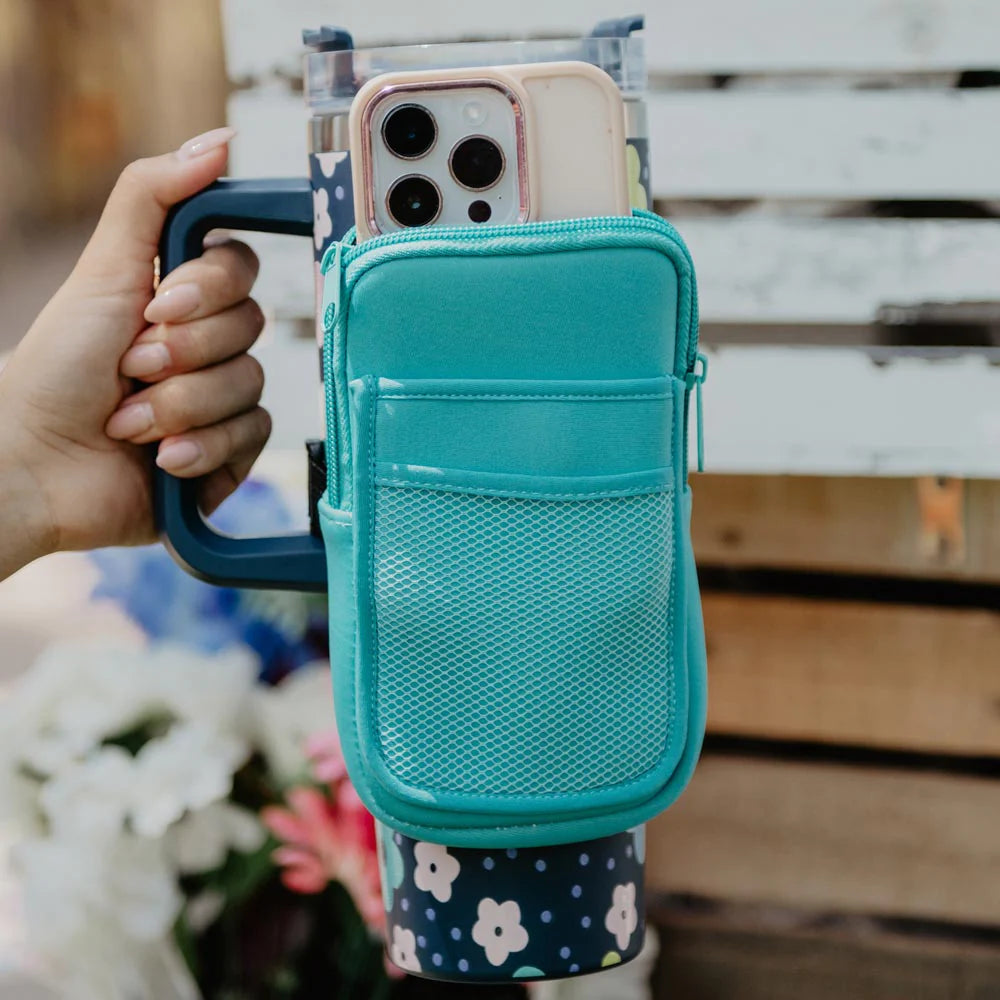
[(333, 288), (695, 379)]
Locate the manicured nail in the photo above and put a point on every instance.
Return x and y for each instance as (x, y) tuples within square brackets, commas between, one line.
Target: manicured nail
[(205, 143), (172, 304), (130, 421), (145, 359), (177, 455)]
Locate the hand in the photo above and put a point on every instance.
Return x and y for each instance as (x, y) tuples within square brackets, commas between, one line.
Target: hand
[(74, 472)]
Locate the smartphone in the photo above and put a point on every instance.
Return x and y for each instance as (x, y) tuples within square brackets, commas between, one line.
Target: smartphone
[(497, 145)]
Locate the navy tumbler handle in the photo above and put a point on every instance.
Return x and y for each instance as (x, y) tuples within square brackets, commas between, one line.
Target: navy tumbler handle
[(290, 562)]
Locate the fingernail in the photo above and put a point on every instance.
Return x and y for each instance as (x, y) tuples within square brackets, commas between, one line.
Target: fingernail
[(177, 455), (172, 304), (130, 420), (145, 359), (205, 143)]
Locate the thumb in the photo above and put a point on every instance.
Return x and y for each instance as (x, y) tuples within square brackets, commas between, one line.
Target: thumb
[(127, 237)]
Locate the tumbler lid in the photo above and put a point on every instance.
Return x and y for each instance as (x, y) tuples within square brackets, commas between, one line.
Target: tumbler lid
[(335, 71)]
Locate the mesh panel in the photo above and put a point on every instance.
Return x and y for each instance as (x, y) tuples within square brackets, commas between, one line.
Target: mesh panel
[(523, 644)]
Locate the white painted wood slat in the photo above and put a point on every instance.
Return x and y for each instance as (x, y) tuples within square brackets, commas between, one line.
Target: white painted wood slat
[(834, 412), (826, 144), (708, 36), (716, 144), (761, 271)]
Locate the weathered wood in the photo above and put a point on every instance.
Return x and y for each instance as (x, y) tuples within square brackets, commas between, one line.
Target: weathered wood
[(882, 675), (751, 271), (766, 36), (820, 836), (824, 144), (852, 525), (740, 953), (821, 411), (723, 144)]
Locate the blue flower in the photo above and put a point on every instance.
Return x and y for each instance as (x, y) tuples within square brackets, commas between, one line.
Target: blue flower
[(285, 629)]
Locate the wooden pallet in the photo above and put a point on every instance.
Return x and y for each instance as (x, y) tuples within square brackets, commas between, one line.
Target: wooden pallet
[(838, 839)]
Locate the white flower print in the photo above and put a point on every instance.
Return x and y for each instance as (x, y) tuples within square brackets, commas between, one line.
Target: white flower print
[(328, 162), (498, 930), (623, 918), (436, 870), (403, 950), (322, 223)]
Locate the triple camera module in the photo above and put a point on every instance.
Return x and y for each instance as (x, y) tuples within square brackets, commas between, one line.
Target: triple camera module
[(476, 163)]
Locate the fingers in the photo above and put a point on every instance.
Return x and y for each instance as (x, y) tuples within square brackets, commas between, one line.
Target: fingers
[(199, 452), (130, 226), (220, 278), (183, 402), (221, 483), (171, 349)]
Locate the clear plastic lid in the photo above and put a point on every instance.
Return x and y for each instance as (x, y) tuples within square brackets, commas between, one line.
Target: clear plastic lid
[(332, 78)]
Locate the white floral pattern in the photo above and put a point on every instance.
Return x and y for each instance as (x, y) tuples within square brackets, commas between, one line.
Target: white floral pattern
[(498, 930), (328, 162), (436, 870), (322, 223), (622, 918), (403, 950)]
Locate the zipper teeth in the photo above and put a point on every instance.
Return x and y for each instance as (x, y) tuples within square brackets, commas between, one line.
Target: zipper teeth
[(641, 220)]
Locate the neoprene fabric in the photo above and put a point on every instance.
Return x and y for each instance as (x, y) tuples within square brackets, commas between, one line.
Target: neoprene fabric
[(516, 635)]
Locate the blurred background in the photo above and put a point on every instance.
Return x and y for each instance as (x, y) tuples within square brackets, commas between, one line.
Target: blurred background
[(832, 166)]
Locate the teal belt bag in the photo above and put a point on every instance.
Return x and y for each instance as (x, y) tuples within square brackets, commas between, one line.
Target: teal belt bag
[(515, 626)]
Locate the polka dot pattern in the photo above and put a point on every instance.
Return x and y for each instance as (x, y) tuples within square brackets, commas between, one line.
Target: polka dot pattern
[(562, 895)]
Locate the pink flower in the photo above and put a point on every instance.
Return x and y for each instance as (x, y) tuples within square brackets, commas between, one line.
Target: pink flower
[(328, 836), (323, 750)]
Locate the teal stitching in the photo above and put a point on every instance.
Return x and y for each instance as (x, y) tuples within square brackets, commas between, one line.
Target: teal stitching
[(521, 494)]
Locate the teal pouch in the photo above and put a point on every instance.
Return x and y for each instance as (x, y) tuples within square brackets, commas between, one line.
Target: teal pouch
[(515, 626)]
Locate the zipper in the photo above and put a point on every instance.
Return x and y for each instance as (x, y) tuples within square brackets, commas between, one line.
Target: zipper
[(695, 379), (354, 258)]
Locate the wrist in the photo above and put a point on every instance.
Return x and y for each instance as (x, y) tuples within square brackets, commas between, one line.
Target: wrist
[(27, 531)]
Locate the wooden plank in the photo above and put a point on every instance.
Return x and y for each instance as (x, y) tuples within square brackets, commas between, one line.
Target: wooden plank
[(883, 675), (843, 524), (771, 410), (745, 953), (819, 144), (824, 144), (821, 836), (752, 269), (766, 36), (784, 270)]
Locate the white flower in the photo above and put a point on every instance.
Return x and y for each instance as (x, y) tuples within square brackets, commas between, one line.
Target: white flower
[(436, 870), (75, 695), (90, 798), (100, 916), (322, 223), (639, 839), (286, 715), (403, 950), (187, 768), (498, 930), (202, 839), (202, 910), (209, 688), (623, 918), (328, 162), (73, 885)]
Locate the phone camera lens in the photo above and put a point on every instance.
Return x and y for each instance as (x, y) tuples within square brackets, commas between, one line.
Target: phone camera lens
[(414, 201), (409, 131), (477, 163), (480, 211)]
